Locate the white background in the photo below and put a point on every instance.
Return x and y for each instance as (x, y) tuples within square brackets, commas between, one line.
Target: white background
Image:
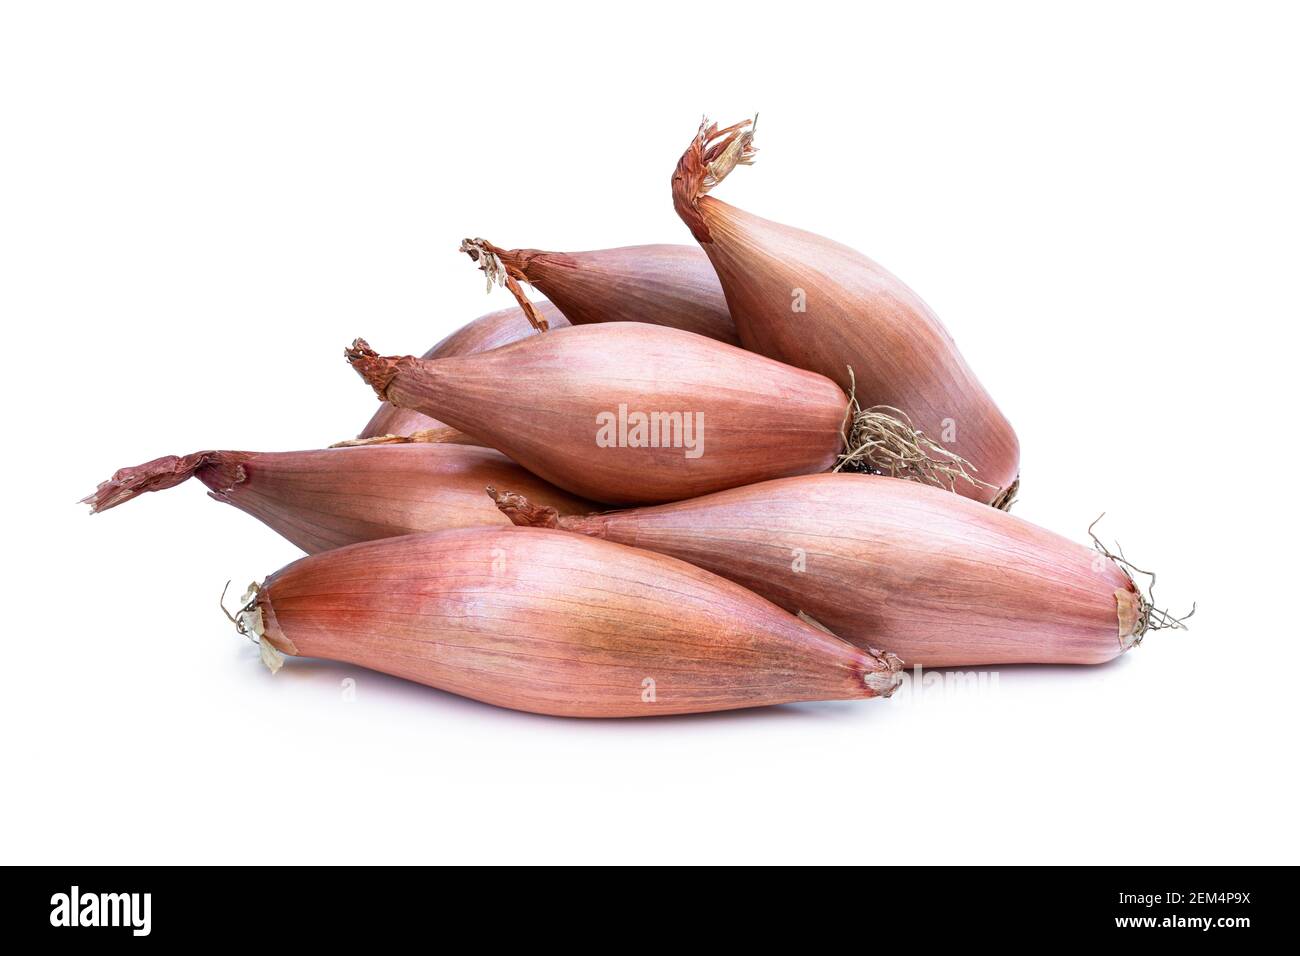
[(203, 205)]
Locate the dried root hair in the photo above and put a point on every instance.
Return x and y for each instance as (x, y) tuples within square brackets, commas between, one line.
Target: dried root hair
[(1149, 617), (248, 622), (881, 440), (1007, 496), (491, 263), (710, 158)]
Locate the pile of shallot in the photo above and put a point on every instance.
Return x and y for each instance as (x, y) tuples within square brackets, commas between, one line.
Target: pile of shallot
[(750, 471)]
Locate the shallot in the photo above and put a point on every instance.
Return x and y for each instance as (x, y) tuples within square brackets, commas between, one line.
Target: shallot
[(660, 284), (553, 623), (624, 412), (816, 304), (939, 579), (326, 498)]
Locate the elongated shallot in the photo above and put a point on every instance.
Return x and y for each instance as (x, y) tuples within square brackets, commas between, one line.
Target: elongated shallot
[(816, 304), (327, 498), (553, 623), (624, 412), (673, 286), (938, 579)]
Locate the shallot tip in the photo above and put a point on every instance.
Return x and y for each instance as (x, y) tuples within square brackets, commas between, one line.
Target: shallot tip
[(489, 259), (248, 622), (158, 475), (489, 263), (523, 512), (883, 683), (376, 369), (1143, 616), (710, 158)]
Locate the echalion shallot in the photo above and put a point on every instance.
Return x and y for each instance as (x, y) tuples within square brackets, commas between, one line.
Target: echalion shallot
[(553, 623), (811, 302), (659, 284), (327, 498), (623, 412), (486, 332), (938, 579)]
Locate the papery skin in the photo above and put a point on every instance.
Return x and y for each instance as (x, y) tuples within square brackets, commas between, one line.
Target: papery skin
[(669, 285), (538, 400), (856, 314), (486, 332), (324, 499), (554, 623), (940, 580)]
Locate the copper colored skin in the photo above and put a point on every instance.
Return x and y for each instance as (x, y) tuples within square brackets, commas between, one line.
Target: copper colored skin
[(558, 624), (669, 285), (328, 498), (486, 332), (803, 299), (938, 579), (900, 353), (541, 401)]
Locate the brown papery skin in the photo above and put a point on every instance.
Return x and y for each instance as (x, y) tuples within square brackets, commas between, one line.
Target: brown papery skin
[(538, 401), (554, 623), (328, 498), (669, 285), (940, 580), (857, 315), (484, 333)]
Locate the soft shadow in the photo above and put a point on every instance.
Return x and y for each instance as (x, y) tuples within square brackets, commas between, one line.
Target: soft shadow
[(1061, 671), (329, 675)]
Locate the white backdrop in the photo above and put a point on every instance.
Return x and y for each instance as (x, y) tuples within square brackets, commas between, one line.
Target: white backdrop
[(203, 205)]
